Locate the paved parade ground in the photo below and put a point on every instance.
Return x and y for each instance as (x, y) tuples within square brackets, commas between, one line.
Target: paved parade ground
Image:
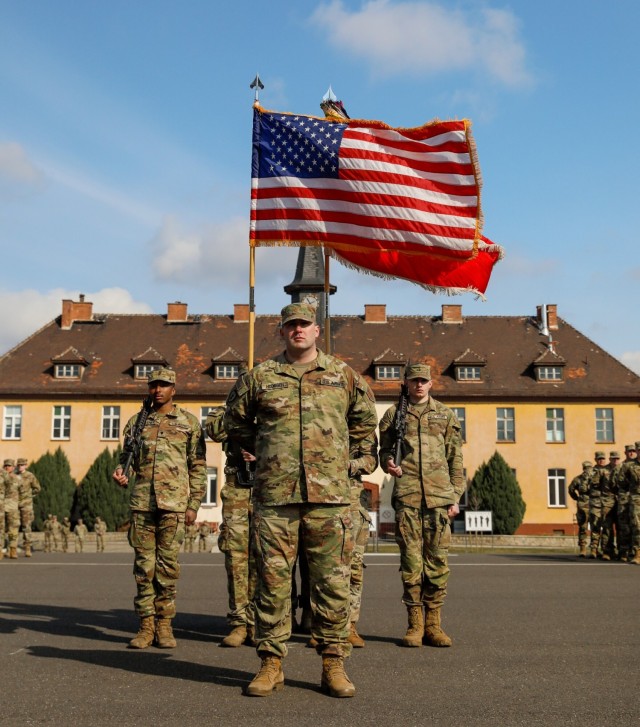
[(538, 640)]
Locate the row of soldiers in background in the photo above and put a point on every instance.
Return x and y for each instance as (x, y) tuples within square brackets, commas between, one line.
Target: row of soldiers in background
[(58, 534), (200, 532), (17, 490), (608, 504)]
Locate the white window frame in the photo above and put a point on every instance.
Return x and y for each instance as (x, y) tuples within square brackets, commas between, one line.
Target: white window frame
[(67, 371), (110, 423), (142, 370), (469, 373), (557, 487), (554, 433), (211, 491), (227, 371), (604, 422), (502, 424), (61, 420), (549, 373), (462, 418), (388, 372), (12, 422)]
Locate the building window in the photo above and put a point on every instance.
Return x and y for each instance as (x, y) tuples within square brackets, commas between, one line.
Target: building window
[(204, 412), (142, 371), (555, 425), (61, 422), (468, 373), (67, 371), (388, 373), (604, 425), (12, 427), (557, 485), (506, 424), (211, 493), (227, 371), (549, 373), (460, 413), (110, 422)]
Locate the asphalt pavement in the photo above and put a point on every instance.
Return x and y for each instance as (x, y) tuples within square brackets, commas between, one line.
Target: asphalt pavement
[(538, 640)]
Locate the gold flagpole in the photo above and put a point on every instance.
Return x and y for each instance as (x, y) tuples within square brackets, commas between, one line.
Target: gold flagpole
[(258, 86), (327, 295)]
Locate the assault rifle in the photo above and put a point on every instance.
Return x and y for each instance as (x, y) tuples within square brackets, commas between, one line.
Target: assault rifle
[(400, 424), (132, 441)]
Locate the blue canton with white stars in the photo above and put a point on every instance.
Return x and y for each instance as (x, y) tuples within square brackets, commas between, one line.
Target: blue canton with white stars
[(298, 146)]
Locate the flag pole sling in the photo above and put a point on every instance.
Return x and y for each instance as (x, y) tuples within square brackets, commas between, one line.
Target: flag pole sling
[(327, 318)]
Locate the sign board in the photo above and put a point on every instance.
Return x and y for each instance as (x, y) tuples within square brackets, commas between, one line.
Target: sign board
[(479, 521), (387, 515)]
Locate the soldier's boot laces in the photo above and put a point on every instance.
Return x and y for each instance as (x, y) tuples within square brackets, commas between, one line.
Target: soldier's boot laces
[(145, 635), (27, 551), (433, 633), (236, 637), (164, 634), (415, 630), (13, 552), (335, 681), (269, 679), (354, 637)]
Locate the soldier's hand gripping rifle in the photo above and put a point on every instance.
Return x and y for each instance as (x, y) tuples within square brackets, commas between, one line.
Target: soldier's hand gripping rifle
[(132, 441), (400, 424)]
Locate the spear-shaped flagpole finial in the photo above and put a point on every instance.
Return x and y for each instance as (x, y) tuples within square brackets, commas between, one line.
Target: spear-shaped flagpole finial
[(258, 85), (333, 109)]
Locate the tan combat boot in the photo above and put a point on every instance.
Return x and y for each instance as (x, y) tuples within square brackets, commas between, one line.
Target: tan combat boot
[(164, 634), (636, 558), (269, 679), (236, 637), (13, 552), (335, 681), (415, 630), (27, 550), (583, 551), (145, 635), (354, 637), (1, 552), (433, 633)]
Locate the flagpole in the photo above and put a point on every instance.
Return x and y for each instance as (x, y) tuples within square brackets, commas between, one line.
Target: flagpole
[(327, 295), (257, 85)]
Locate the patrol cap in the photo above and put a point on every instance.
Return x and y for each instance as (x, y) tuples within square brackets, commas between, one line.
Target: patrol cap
[(298, 312), (627, 448), (9, 463), (418, 371), (637, 446), (600, 455), (163, 374), (614, 455), (21, 460), (586, 464)]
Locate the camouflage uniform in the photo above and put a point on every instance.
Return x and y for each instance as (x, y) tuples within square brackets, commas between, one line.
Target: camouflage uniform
[(608, 491), (170, 479), (29, 487), (5, 485), (100, 529), (190, 533), (56, 531), (632, 478), (80, 533), (624, 506), (579, 491), (46, 526), (65, 532), (432, 480), (235, 531), (204, 531), (595, 505), (11, 508), (299, 424)]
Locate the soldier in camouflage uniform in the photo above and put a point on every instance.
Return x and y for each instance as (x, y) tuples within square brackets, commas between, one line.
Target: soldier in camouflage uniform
[(46, 527), (169, 486), (190, 533), (56, 533), (100, 529), (65, 532), (428, 485), (29, 487), (624, 511), (5, 487), (363, 461), (579, 491), (632, 483), (80, 533), (298, 414), (235, 536), (595, 504), (204, 531), (11, 507)]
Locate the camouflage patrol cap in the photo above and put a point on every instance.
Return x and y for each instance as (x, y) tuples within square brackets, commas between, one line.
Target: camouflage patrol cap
[(600, 455), (586, 464), (417, 371), (21, 460), (637, 446), (9, 463), (163, 374), (614, 455), (629, 447), (298, 312)]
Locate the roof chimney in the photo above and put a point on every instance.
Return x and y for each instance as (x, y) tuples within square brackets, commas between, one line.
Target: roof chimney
[(452, 314), (375, 313), (176, 312), (75, 311), (552, 316), (241, 313)]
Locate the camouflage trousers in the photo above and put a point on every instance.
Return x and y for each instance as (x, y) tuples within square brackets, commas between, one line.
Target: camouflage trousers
[(424, 536), (65, 541), (239, 561), (595, 523), (10, 523), (188, 543), (634, 517), (325, 533), (48, 540), (624, 524), (79, 544), (361, 520), (26, 519), (582, 518), (156, 538), (608, 522), (99, 543)]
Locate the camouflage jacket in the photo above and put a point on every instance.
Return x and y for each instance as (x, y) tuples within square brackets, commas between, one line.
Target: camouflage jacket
[(28, 487), (300, 428), (595, 482), (171, 472), (100, 528), (432, 465), (11, 492), (4, 486), (631, 471), (214, 427), (579, 488), (80, 531), (363, 460)]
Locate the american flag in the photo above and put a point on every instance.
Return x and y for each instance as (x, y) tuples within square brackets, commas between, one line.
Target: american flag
[(369, 192)]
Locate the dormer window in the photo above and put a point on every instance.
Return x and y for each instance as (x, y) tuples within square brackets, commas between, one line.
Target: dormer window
[(388, 372), (67, 371), (549, 373), (468, 373), (142, 371), (68, 365), (549, 366), (227, 371), (468, 367), (227, 366)]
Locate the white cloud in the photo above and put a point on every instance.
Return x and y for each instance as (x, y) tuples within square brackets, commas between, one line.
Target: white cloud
[(520, 265), (17, 171), (24, 312), (632, 360), (427, 37)]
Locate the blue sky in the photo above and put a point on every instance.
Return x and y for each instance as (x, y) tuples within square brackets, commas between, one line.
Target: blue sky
[(125, 140)]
